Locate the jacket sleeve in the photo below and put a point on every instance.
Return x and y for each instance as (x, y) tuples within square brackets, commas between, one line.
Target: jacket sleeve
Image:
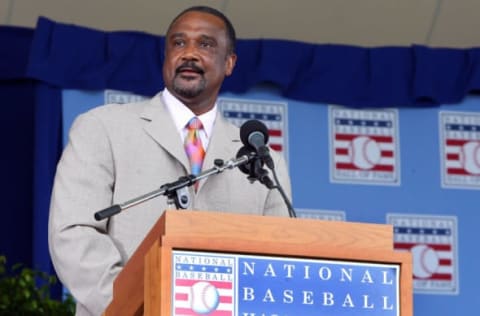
[(84, 256)]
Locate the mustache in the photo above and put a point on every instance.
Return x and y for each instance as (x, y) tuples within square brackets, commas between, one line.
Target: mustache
[(189, 65)]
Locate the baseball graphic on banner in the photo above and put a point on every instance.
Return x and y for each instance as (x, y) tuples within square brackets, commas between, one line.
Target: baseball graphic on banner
[(470, 157), (366, 153), (425, 261), (204, 297)]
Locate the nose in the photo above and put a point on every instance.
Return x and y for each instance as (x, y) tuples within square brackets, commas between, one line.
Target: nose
[(190, 52)]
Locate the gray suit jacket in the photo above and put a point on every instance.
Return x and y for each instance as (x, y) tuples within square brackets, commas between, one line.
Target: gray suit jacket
[(119, 152)]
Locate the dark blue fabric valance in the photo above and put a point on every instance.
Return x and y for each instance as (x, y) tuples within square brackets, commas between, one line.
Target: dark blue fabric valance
[(81, 58)]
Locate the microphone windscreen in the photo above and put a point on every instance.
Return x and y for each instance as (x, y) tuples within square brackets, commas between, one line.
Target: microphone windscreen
[(250, 127), (245, 151)]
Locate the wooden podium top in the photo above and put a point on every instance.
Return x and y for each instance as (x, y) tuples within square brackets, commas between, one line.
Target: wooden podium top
[(288, 231)]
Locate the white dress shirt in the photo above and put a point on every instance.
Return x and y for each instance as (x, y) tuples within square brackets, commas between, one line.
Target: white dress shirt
[(181, 115)]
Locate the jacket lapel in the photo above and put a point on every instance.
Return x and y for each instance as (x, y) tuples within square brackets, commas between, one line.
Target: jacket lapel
[(162, 129), (220, 147)]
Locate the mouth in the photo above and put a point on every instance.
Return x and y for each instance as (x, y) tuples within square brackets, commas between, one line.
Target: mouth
[(188, 74), (189, 70)]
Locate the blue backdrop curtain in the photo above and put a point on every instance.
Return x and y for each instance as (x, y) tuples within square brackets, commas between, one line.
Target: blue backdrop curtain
[(36, 64), (31, 142), (16, 134)]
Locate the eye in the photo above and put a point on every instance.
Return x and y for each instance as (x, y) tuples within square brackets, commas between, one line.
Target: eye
[(207, 44), (178, 42)]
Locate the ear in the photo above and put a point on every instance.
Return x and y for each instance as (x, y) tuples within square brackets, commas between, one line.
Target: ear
[(230, 64)]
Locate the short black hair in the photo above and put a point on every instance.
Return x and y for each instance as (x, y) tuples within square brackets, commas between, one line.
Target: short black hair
[(232, 37)]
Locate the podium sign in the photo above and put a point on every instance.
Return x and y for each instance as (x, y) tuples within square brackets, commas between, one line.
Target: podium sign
[(222, 284)]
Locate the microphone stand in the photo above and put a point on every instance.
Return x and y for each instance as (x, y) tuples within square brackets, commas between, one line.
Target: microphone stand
[(175, 191), (257, 172)]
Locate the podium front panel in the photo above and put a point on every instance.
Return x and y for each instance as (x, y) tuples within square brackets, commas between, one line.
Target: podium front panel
[(221, 284)]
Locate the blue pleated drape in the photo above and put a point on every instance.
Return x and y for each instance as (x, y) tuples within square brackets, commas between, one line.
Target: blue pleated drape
[(76, 57)]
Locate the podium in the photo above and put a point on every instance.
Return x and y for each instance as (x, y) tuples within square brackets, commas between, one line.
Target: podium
[(145, 285)]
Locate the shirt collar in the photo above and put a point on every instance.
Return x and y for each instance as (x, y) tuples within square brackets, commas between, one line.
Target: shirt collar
[(181, 114)]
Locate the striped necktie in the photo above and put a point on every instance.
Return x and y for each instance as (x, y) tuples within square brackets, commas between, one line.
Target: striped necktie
[(193, 145)]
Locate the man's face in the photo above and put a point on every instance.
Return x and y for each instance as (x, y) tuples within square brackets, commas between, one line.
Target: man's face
[(197, 59)]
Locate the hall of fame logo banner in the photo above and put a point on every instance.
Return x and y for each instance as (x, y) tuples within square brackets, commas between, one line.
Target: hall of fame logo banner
[(364, 146), (272, 114), (460, 149), (432, 241), (230, 284), (325, 215), (122, 97)]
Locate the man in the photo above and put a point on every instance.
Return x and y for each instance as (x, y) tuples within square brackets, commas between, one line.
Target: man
[(119, 152)]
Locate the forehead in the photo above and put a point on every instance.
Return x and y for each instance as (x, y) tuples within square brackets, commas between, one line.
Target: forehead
[(197, 22)]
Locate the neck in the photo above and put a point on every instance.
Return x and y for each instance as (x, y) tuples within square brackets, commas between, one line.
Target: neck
[(199, 106)]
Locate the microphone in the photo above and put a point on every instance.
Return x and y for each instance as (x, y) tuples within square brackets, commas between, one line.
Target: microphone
[(254, 133), (254, 167), (248, 151)]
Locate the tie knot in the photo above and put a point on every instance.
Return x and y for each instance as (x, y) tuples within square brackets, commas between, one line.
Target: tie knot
[(194, 124)]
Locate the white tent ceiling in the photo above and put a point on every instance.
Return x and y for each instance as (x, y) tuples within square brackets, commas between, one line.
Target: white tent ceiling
[(435, 23)]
